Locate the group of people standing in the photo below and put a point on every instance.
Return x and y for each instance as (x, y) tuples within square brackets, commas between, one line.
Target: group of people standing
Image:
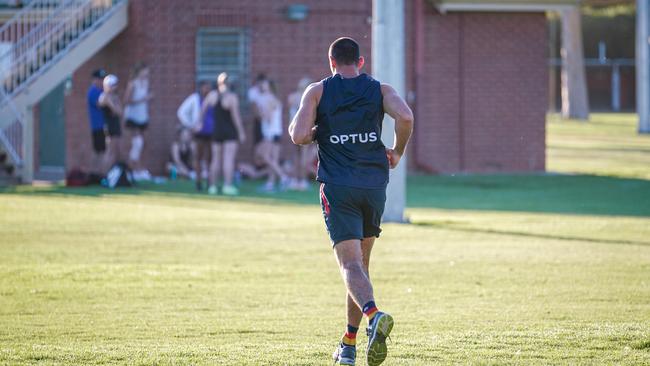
[(208, 137), (108, 113), (211, 130)]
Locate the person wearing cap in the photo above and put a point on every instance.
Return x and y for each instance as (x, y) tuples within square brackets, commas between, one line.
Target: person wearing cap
[(110, 104), (96, 119)]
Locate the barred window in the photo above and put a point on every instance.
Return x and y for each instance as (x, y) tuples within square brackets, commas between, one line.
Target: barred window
[(222, 49)]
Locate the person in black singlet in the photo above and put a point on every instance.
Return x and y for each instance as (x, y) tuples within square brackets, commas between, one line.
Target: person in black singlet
[(344, 114), (109, 103), (224, 129), (228, 133)]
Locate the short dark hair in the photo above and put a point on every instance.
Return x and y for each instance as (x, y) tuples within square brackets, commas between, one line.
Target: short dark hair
[(99, 74), (345, 51)]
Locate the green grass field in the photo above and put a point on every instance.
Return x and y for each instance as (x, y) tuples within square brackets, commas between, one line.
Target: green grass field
[(498, 269)]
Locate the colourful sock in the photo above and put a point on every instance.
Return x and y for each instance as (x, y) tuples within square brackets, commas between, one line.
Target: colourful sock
[(350, 336), (370, 309)]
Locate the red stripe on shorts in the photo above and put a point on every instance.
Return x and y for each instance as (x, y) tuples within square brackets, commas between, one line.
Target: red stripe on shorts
[(326, 203)]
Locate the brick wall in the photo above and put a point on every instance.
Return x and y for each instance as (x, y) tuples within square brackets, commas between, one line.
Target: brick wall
[(481, 95), (482, 102)]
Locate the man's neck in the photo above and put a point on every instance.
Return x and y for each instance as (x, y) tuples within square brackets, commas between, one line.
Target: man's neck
[(348, 72)]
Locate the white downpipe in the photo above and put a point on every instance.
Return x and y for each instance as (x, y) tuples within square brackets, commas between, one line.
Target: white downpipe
[(388, 57)]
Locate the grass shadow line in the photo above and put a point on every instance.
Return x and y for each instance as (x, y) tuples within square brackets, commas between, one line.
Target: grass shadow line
[(447, 225)]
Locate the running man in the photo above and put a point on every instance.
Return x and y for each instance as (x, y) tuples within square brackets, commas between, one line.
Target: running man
[(343, 114)]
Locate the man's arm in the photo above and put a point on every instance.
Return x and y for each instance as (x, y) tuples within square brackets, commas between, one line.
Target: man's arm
[(302, 129), (397, 108)]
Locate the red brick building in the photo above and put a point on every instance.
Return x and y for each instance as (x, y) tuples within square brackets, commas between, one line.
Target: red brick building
[(477, 81)]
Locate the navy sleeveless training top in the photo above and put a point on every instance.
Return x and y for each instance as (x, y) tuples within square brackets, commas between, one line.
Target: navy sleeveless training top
[(349, 119)]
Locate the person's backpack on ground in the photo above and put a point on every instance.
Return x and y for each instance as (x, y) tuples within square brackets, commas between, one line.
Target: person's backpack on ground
[(119, 175)]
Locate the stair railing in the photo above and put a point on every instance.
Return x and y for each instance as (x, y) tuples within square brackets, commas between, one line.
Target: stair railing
[(11, 135), (60, 28), (34, 39)]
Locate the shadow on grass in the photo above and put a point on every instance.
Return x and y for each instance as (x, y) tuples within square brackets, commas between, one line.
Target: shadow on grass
[(180, 188), (446, 225), (542, 193), (570, 194)]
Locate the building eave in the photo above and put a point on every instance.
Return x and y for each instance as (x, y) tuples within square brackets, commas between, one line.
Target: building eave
[(503, 6)]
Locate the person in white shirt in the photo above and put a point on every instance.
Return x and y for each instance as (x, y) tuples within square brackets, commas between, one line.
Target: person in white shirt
[(270, 108), (306, 153), (253, 94), (136, 114), (189, 115)]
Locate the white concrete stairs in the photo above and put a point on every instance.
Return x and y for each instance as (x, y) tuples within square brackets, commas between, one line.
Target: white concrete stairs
[(57, 43)]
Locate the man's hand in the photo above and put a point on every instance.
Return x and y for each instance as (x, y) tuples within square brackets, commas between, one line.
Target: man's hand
[(313, 133), (393, 158)]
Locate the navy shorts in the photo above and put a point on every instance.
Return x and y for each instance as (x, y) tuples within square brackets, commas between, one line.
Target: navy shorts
[(352, 213), (99, 140)]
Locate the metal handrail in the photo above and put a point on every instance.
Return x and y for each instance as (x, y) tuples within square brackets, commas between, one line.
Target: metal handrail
[(42, 47), (36, 45), (24, 42), (15, 26), (11, 143)]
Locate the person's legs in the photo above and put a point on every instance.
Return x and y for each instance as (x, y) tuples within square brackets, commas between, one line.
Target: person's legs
[(353, 266), (229, 156), (281, 174), (249, 171), (133, 136), (265, 151), (354, 311), (215, 166), (354, 314), (113, 149), (143, 143), (199, 151), (98, 162), (350, 259)]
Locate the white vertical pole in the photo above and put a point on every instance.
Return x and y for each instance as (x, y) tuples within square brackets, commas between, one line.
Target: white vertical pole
[(388, 57), (28, 146), (575, 103), (643, 64), (616, 87)]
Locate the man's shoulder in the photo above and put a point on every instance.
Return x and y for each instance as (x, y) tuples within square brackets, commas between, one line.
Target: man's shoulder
[(386, 89), (316, 87), (314, 91)]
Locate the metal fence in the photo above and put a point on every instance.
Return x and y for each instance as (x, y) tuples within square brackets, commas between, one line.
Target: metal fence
[(610, 83)]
